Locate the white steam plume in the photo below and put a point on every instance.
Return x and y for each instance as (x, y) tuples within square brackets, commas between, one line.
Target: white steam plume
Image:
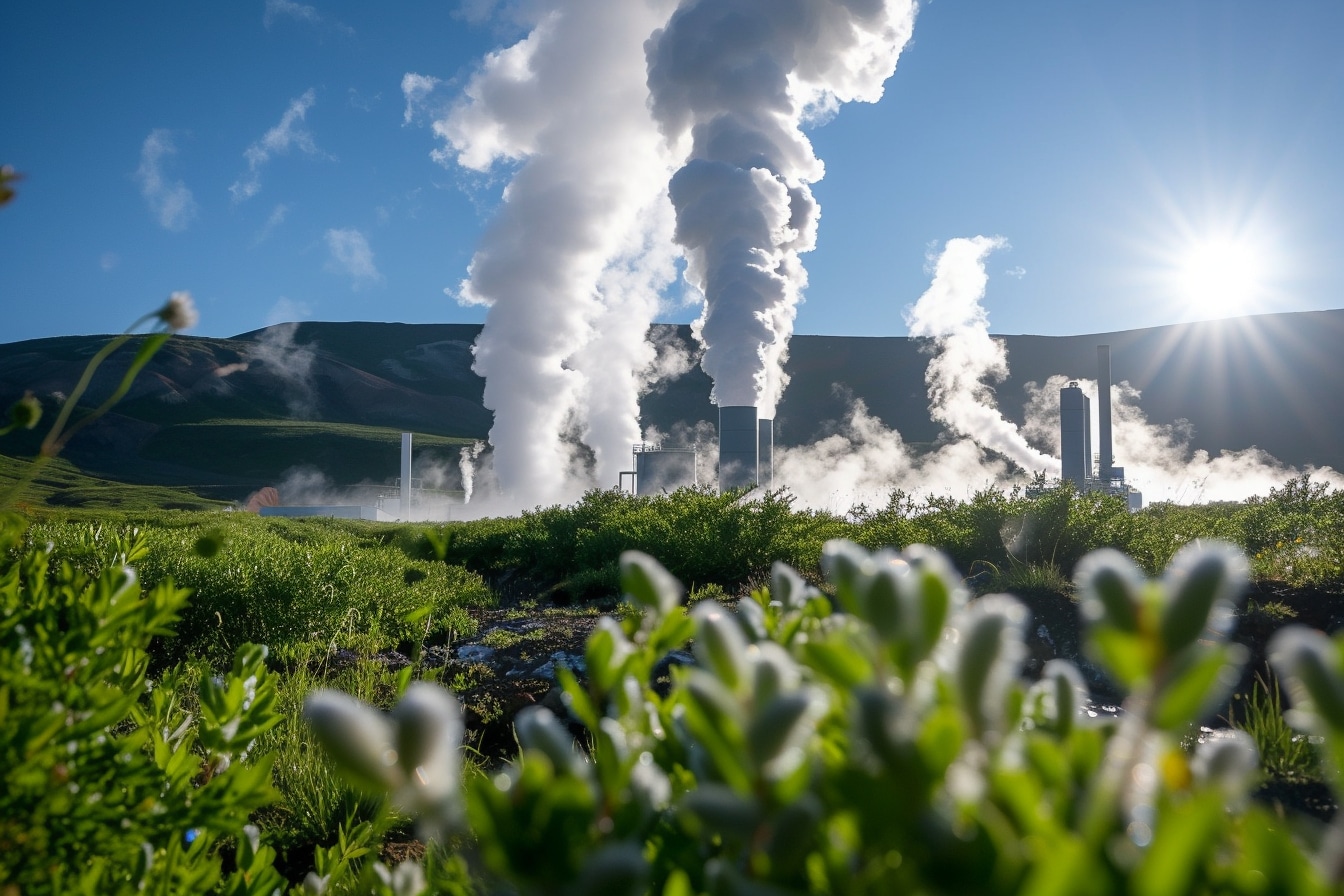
[(291, 362), (466, 465), (865, 460), (574, 254), (1157, 458), (732, 81), (966, 359)]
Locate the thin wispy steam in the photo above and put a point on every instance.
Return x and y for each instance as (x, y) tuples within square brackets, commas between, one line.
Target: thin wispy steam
[(466, 465), (966, 360), (574, 259), (169, 200), (291, 363), (289, 134), (732, 82)]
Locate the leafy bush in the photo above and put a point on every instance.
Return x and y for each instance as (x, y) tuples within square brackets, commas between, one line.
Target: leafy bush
[(724, 539), (1296, 534), (880, 741), (108, 784)]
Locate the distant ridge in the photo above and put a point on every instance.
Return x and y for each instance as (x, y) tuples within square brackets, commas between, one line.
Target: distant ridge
[(225, 416)]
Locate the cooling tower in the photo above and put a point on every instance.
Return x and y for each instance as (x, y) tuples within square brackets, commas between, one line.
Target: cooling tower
[(738, 452), (1075, 436), (765, 452), (1107, 459)]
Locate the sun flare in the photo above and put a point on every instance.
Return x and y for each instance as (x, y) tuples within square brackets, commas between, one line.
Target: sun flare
[(1220, 275)]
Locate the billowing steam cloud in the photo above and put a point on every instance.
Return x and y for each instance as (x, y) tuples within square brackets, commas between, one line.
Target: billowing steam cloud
[(966, 359), (573, 263), (732, 81), (865, 460)]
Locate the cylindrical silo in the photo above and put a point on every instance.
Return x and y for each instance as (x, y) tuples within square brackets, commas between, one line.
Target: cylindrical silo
[(1075, 426), (738, 453)]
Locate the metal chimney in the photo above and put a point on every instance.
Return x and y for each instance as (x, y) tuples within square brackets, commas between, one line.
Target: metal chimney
[(1107, 460), (405, 476), (738, 453), (765, 452)]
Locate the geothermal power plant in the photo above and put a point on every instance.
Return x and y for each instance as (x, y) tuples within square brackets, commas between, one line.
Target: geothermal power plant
[(746, 458)]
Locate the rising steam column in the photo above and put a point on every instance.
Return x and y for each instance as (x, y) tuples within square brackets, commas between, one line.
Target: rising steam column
[(739, 451)]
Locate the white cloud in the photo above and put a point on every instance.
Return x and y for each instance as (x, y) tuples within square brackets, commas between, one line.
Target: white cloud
[(351, 255), (300, 12), (1017, 273), (289, 133), (109, 260), (416, 89), (277, 217), (171, 202), (364, 102)]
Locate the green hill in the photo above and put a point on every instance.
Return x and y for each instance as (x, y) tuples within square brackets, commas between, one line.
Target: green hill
[(224, 417)]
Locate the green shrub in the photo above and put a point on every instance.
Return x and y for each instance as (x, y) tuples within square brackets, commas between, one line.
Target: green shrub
[(108, 783), (879, 741), (1296, 534)]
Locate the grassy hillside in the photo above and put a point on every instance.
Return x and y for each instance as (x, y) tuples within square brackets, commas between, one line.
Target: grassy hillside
[(60, 484), (265, 449)]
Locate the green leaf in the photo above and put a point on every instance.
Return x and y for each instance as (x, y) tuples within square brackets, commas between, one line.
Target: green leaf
[(1183, 843), (1196, 681), (648, 584)]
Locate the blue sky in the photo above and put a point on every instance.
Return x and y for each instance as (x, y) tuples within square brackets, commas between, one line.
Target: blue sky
[(1147, 163)]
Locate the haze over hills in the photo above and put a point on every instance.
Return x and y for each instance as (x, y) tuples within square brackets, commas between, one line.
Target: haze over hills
[(226, 416)]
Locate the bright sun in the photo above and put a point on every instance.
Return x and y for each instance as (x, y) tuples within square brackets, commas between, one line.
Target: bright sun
[(1220, 275)]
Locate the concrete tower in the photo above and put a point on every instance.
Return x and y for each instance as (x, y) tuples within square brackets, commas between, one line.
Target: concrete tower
[(739, 457), (1075, 435)]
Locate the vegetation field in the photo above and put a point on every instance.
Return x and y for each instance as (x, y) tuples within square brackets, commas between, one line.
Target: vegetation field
[(370, 609)]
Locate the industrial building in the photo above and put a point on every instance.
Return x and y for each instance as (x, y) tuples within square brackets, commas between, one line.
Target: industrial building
[(1075, 438)]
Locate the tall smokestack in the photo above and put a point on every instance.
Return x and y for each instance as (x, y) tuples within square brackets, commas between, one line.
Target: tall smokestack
[(405, 476), (765, 453), (1107, 461), (739, 457)]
